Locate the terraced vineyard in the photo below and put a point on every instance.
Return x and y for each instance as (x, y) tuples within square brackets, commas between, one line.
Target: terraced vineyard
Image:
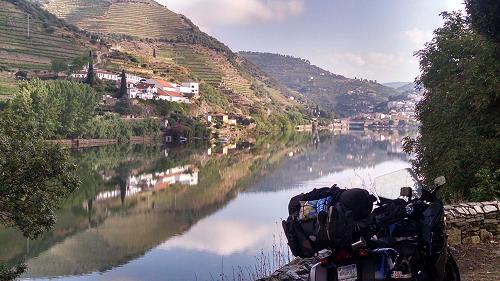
[(199, 65), (17, 51), (141, 18)]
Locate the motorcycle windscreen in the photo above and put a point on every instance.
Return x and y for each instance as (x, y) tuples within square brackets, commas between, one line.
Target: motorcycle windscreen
[(389, 185)]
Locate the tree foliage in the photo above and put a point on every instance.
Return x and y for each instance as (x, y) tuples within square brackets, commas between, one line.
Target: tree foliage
[(58, 65), (459, 112), (54, 109), (484, 17)]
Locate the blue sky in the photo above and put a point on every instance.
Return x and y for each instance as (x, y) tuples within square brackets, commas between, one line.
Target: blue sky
[(373, 39)]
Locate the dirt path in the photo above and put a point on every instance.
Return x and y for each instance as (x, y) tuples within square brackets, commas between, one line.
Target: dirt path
[(479, 262)]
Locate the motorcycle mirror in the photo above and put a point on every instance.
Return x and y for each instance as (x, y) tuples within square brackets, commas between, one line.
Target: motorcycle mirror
[(405, 191), (439, 181)]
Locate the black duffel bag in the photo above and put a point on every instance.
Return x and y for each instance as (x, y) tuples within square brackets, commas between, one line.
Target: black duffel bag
[(333, 226)]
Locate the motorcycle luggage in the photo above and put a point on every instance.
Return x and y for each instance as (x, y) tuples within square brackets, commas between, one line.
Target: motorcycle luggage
[(324, 218), (305, 227)]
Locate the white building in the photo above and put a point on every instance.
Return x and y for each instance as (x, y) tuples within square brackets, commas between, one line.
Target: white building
[(133, 78), (106, 75), (189, 88), (171, 96), (79, 75)]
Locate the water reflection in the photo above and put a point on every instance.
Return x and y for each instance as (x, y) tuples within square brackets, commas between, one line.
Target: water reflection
[(149, 212)]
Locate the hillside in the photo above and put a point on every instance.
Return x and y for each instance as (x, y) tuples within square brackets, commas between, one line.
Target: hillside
[(345, 96), (147, 39), (49, 38)]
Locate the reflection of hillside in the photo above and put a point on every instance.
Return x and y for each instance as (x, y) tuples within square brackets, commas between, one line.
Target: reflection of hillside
[(100, 169), (334, 154), (100, 234)]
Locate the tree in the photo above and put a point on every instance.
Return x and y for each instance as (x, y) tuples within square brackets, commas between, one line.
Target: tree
[(58, 65), (154, 53), (91, 79), (122, 92), (53, 109), (459, 112), (36, 176)]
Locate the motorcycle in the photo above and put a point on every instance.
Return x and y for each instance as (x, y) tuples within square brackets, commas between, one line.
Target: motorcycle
[(404, 238)]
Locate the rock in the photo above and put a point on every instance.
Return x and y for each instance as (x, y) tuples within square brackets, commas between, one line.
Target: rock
[(489, 208), (490, 221), (485, 236), (491, 215), (454, 236), (472, 211), (478, 209), (462, 211), (296, 270), (472, 240)]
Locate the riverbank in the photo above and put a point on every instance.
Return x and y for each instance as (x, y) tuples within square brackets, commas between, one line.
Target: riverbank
[(83, 143)]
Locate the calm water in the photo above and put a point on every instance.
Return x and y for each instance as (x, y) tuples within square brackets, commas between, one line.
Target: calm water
[(192, 213)]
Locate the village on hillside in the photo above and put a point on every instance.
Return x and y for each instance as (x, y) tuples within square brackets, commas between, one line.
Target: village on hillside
[(147, 89)]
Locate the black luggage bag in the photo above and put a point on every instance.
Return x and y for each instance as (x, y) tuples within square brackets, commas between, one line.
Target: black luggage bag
[(333, 226)]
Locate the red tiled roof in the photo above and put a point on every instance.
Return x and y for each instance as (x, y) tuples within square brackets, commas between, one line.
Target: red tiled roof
[(142, 85), (169, 93), (165, 83)]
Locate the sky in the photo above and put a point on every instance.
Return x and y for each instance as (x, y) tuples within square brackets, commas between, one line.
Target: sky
[(372, 39)]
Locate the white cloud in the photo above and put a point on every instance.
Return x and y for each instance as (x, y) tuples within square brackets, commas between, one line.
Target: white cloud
[(385, 67), (417, 36), (349, 58), (226, 236), (207, 13)]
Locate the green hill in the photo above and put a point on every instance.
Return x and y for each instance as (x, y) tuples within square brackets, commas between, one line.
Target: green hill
[(345, 96)]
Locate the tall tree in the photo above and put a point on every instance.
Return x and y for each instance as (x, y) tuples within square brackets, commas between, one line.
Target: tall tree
[(91, 79), (154, 52), (122, 92), (459, 112)]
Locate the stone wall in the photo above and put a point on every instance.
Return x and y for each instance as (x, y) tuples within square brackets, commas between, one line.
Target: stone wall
[(472, 223)]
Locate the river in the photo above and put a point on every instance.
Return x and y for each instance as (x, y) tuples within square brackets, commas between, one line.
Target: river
[(193, 212)]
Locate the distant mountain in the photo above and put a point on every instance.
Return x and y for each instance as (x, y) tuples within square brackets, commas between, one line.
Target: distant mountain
[(396, 85), (410, 87), (344, 96)]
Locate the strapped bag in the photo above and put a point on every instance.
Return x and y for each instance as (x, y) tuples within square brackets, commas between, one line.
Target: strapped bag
[(324, 218), (305, 227)]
